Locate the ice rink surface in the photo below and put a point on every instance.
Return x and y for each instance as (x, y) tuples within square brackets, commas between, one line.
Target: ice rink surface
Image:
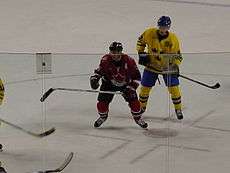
[(79, 32)]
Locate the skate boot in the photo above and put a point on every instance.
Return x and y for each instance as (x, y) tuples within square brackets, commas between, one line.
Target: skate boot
[(100, 121), (141, 122), (2, 170), (179, 114)]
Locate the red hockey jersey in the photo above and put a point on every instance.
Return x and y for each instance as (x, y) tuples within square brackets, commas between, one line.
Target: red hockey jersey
[(118, 73)]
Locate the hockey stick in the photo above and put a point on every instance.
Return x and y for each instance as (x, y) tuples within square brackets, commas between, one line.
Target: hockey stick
[(217, 85), (40, 135), (49, 91), (61, 167)]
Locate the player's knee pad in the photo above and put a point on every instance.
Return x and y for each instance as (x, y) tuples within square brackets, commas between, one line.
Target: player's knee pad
[(144, 91), (135, 107), (130, 95), (103, 108), (174, 91)]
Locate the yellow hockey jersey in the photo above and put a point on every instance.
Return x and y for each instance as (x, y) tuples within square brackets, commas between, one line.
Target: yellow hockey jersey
[(161, 51)]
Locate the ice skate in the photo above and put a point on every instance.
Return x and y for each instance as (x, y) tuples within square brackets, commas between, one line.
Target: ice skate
[(179, 114), (99, 121), (141, 122)]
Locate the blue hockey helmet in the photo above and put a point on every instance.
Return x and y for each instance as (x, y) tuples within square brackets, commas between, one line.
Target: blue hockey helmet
[(164, 21), (116, 46)]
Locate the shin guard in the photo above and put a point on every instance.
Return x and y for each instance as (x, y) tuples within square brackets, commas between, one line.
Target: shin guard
[(176, 96)]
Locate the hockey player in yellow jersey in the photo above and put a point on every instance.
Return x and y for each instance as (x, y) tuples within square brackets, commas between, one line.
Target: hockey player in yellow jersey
[(159, 52), (2, 90)]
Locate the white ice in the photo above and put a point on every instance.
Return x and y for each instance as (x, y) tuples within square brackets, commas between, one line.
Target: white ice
[(81, 31)]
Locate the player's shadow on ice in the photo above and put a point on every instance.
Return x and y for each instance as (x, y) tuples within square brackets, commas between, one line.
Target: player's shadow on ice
[(171, 118), (162, 119), (111, 128), (160, 132)]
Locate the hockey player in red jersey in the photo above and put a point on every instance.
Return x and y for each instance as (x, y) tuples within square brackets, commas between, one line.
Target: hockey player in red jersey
[(118, 72)]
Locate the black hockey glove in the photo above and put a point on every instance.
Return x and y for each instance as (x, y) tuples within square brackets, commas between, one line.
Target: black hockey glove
[(94, 81), (134, 84), (143, 58), (129, 92)]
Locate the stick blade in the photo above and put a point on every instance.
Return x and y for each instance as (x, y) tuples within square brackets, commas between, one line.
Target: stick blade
[(63, 165), (48, 132), (217, 85), (46, 94)]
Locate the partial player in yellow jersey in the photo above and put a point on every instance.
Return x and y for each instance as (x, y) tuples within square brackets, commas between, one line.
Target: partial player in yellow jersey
[(2, 90), (159, 52)]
